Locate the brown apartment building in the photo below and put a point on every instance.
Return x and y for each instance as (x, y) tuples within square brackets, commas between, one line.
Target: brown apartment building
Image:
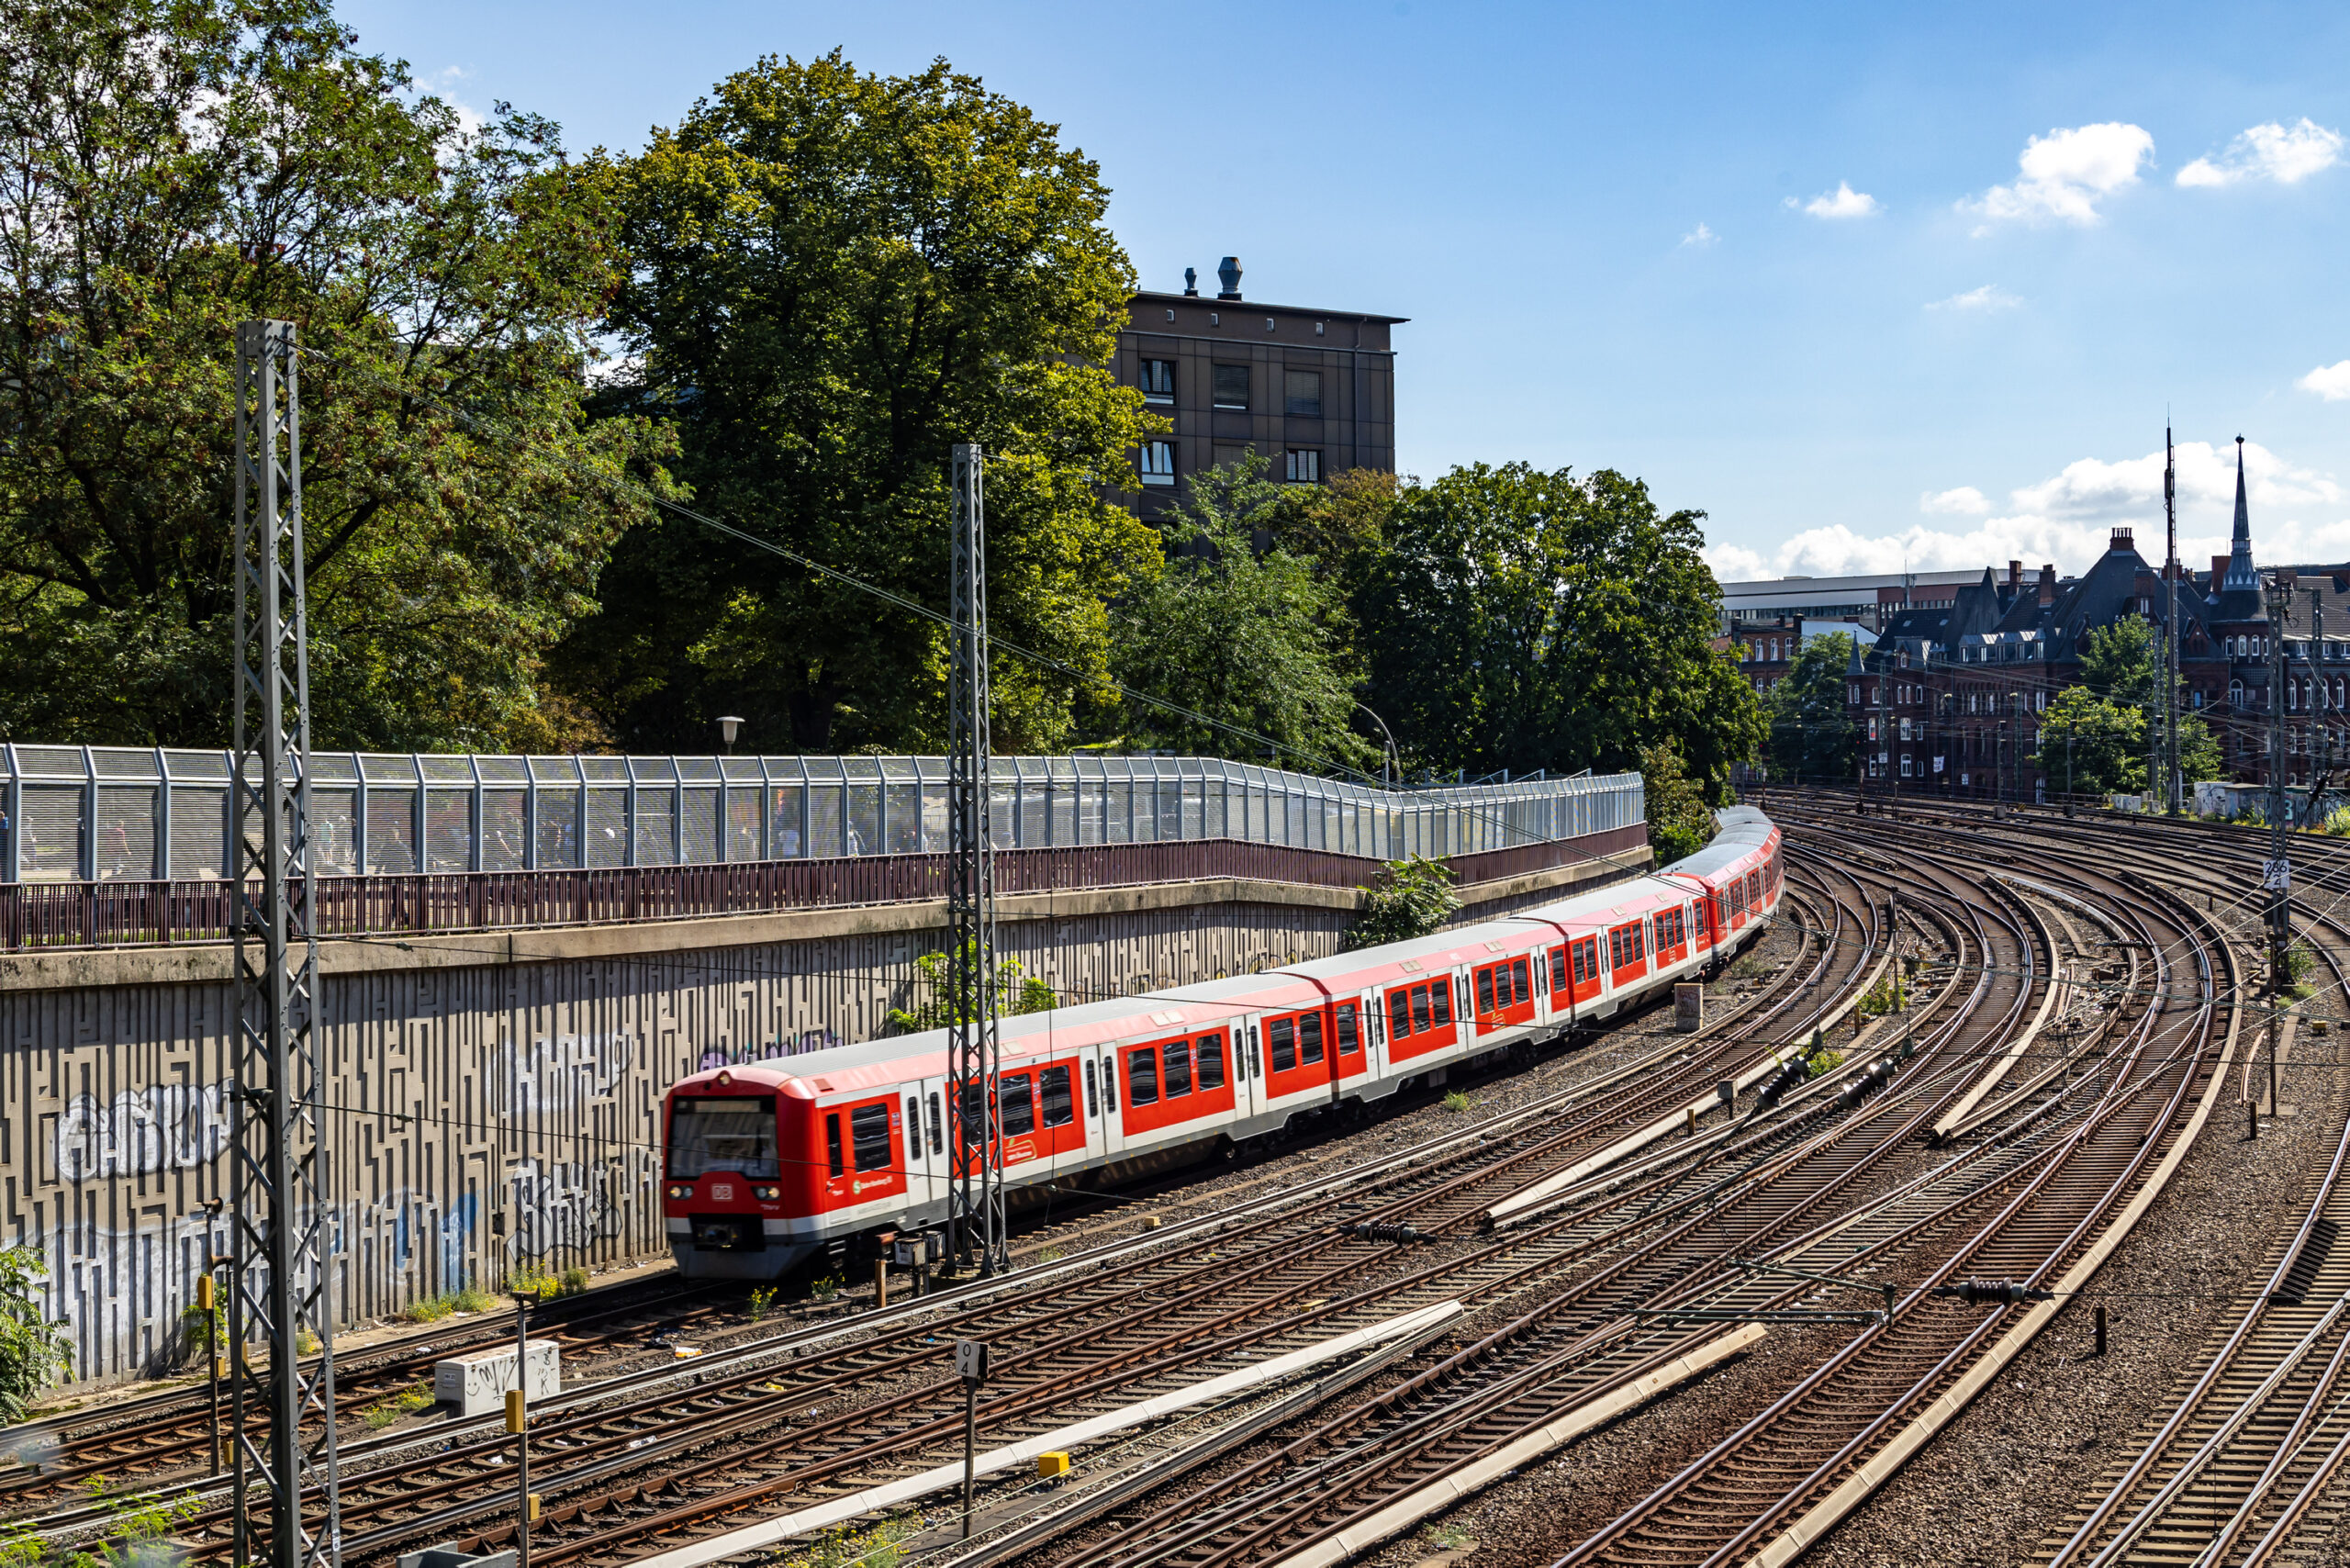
[(1313, 391)]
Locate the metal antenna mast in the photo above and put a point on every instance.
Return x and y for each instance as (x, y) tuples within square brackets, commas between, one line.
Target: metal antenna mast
[(2174, 780), (975, 1199), (279, 1213)]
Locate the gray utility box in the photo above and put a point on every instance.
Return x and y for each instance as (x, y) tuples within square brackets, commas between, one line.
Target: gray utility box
[(449, 1557), (477, 1384)]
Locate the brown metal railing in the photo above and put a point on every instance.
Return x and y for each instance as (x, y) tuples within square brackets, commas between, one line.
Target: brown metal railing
[(125, 913)]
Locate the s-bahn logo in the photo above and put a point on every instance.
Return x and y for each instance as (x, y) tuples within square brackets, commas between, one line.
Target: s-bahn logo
[(722, 1192)]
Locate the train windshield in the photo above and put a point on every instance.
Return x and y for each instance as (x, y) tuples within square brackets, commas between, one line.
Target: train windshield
[(707, 1134)]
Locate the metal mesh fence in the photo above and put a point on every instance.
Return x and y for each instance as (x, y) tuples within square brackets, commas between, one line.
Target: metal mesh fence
[(113, 813)]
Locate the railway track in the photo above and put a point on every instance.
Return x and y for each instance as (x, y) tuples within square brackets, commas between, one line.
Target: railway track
[(588, 1448)]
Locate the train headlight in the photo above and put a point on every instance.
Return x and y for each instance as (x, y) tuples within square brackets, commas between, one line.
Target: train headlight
[(681, 1189), (769, 1193)]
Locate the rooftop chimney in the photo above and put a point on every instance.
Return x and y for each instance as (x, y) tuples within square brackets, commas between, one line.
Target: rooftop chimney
[(1229, 275), (2015, 577), (1191, 283), (2048, 584), (2122, 543), (2219, 571)]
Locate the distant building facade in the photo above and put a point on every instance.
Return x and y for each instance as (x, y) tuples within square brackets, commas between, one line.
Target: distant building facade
[(1869, 599), (1312, 391), (1951, 698)]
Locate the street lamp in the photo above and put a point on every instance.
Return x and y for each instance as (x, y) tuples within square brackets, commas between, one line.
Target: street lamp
[(728, 727), (1386, 773)]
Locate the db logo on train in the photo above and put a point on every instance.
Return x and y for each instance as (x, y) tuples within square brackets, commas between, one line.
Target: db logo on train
[(722, 1192)]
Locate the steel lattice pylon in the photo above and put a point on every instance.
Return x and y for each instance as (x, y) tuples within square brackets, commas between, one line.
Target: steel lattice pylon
[(278, 1216), (975, 1201)]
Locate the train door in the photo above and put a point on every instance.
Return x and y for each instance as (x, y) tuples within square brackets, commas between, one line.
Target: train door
[(1351, 1054), (925, 1136)]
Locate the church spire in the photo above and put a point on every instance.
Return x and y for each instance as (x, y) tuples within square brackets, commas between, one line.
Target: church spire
[(2241, 573)]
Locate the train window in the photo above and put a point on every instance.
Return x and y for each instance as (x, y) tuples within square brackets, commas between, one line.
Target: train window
[(1092, 1105), (1640, 942), (1211, 1062), (1053, 1097), (869, 1132), (1015, 1102), (1419, 1008), (1142, 1076), (938, 1127), (1349, 1040), (1256, 1062), (1399, 1013), (1485, 991), (1441, 994), (1309, 1034), (974, 1127), (913, 1127), (708, 1134), (1178, 1067), (1518, 977), (1280, 1035), (1110, 1088), (832, 1143)]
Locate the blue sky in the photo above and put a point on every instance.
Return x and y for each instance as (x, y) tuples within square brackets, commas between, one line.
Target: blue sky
[(1863, 283)]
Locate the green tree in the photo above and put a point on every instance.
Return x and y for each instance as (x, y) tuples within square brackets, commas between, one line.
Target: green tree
[(1680, 823), (34, 1352), (836, 276), (1247, 638), (2089, 744), (175, 169), (1017, 991), (2123, 665), (1413, 897), (1812, 735), (1529, 620)]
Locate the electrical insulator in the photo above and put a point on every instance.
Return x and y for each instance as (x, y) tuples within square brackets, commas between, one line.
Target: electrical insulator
[(203, 1292), (1992, 1292), (517, 1417)]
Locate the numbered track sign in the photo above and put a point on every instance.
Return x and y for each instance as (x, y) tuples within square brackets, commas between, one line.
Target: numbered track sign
[(971, 1360)]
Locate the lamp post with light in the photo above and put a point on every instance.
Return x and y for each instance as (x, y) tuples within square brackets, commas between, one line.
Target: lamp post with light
[(728, 728)]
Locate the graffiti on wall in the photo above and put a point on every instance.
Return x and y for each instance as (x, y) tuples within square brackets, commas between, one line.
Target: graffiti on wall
[(563, 1206), (781, 1046), (559, 1073), (167, 1127)]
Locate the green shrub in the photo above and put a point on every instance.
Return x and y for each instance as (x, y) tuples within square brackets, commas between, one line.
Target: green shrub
[(575, 1280), (472, 1298), (762, 1301), (1413, 897), (826, 1288), (1457, 1102), (34, 1352), (1823, 1062)]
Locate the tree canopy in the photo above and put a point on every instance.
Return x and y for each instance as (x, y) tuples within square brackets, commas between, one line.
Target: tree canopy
[(1525, 618), (833, 276), (172, 169), (2096, 737), (1253, 640), (1812, 736)]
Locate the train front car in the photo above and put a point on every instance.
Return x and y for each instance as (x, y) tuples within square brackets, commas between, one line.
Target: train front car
[(726, 1176), (1740, 873)]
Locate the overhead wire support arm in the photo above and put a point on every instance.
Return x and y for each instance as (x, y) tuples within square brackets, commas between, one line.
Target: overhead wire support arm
[(281, 1287)]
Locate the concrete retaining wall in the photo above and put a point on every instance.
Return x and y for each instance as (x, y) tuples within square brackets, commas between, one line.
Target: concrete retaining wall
[(495, 1097)]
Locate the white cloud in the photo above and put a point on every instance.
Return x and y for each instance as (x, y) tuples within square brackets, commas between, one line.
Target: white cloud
[(2068, 518), (2286, 154), (2331, 382), (1966, 498), (2068, 173), (1990, 296), (1841, 202), (1701, 237)]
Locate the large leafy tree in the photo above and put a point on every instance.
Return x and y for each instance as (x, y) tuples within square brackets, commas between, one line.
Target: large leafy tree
[(1529, 620), (169, 168), (2122, 669), (1252, 642), (1811, 735), (835, 276)]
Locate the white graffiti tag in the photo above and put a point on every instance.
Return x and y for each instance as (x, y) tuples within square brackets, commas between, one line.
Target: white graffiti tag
[(569, 1069), (169, 1126)]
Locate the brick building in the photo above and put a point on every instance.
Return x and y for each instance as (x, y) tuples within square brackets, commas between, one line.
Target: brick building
[(1951, 697), (1311, 390)]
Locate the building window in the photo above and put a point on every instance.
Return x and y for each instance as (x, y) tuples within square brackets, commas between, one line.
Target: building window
[(1228, 456), (1232, 387), (1305, 468), (1158, 381), (1158, 463), (1302, 394)]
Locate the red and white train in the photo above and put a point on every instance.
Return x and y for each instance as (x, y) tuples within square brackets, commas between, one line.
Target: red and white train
[(769, 1161)]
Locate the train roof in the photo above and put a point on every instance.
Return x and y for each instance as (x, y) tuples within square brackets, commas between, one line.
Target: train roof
[(1744, 832)]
